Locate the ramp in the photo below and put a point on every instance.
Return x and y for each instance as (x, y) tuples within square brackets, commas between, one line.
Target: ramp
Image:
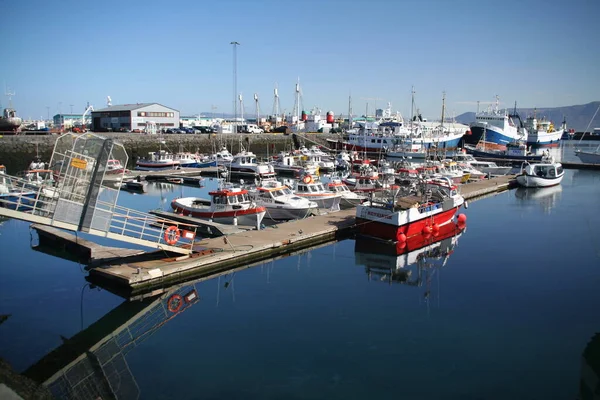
[(77, 199)]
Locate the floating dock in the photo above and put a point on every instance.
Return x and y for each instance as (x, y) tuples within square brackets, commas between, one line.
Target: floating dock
[(149, 271)]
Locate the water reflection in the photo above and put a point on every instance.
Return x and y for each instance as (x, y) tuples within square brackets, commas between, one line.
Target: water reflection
[(411, 263), (546, 197), (589, 385)]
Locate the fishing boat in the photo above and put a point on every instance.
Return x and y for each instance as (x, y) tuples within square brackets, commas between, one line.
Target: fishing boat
[(280, 202), (312, 190), (114, 167), (12, 197), (542, 132), (542, 174), (223, 157), (495, 128), (136, 185), (349, 198), (516, 151), (245, 162), (487, 167), (426, 210), (157, 161), (227, 205)]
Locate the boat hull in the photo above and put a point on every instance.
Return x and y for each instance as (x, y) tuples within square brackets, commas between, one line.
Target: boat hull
[(429, 143), (378, 223), (326, 202), (196, 164), (18, 201), (545, 139), (251, 216), (533, 181), (497, 156), (491, 134), (278, 213), (588, 157)]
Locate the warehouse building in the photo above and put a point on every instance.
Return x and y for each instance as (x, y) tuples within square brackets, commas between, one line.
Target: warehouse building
[(140, 117)]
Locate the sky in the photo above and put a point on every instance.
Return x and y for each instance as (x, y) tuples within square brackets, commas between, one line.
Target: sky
[(60, 55)]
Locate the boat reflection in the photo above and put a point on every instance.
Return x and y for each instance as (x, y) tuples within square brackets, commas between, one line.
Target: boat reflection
[(547, 197), (589, 384), (397, 262)]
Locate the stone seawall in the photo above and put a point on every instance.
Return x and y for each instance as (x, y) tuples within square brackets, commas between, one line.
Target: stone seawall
[(16, 152)]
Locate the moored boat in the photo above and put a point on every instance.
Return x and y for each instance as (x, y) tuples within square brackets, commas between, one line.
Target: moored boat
[(280, 202), (231, 205), (157, 161), (542, 174), (542, 132), (312, 190), (396, 218), (349, 198)]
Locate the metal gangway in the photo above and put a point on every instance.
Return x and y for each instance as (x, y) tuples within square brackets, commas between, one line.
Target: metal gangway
[(72, 196)]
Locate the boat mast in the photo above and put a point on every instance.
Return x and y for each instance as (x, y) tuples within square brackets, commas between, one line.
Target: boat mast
[(350, 123)]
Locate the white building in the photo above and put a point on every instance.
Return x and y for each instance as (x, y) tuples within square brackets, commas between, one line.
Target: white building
[(135, 117)]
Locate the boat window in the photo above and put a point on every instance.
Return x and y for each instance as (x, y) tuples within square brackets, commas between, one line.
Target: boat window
[(217, 200), (287, 191), (277, 193), (320, 187), (559, 170), (253, 160), (242, 198), (232, 199)]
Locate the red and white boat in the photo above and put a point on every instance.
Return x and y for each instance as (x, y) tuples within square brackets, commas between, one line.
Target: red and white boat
[(231, 205), (398, 218)]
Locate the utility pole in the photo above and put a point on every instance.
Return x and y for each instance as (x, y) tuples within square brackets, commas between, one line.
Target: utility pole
[(235, 45)]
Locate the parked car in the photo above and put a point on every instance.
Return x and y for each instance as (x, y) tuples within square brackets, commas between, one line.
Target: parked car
[(204, 129)]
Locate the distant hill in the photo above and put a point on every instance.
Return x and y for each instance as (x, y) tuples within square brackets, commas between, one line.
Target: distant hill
[(578, 117)]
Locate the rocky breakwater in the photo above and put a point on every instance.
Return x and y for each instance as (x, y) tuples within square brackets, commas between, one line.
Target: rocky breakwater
[(16, 152)]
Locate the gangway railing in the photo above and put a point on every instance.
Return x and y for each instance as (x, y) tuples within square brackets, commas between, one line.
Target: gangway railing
[(42, 204)]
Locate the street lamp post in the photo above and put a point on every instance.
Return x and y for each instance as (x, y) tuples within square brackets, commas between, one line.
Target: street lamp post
[(235, 45)]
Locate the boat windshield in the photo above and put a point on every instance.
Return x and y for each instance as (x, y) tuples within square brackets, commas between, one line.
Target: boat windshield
[(287, 191)]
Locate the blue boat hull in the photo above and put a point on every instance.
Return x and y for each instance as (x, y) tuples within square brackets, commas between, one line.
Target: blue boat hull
[(10, 200), (491, 136), (200, 164)]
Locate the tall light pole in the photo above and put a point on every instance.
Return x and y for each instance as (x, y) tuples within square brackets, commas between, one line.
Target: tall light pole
[(71, 105), (235, 45)]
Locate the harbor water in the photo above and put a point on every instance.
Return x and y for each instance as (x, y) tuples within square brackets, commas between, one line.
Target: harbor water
[(501, 310)]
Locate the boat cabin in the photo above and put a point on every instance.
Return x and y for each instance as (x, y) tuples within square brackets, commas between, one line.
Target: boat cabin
[(544, 170), (229, 197)]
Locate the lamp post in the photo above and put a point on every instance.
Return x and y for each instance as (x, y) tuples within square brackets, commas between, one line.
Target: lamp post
[(235, 45)]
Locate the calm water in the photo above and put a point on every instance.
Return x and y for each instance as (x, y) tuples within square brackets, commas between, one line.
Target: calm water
[(506, 315)]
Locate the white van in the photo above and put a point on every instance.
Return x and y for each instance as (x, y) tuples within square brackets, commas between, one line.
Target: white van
[(252, 128)]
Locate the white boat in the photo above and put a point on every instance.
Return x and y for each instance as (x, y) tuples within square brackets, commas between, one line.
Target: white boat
[(280, 202), (349, 198), (286, 163), (308, 188), (157, 161), (245, 162), (223, 157), (542, 132), (136, 185), (231, 205), (487, 167), (542, 174), (589, 157)]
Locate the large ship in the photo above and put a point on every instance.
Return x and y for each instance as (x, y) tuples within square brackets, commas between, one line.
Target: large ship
[(541, 132), (391, 132), (495, 128)]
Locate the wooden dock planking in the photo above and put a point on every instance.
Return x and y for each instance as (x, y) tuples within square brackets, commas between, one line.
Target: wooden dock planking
[(171, 173), (485, 186), (93, 252), (234, 250)]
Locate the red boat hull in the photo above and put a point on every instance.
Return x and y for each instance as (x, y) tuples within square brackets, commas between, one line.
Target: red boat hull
[(392, 232)]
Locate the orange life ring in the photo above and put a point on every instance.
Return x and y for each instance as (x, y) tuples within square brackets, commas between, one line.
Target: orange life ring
[(307, 179), (172, 235), (175, 302)]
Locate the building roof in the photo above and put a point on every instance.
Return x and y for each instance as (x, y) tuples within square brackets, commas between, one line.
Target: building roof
[(129, 107)]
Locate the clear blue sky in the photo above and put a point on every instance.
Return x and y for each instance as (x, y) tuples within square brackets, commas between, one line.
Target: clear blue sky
[(61, 53)]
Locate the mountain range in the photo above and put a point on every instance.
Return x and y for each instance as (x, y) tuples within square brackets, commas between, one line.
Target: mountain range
[(578, 117)]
